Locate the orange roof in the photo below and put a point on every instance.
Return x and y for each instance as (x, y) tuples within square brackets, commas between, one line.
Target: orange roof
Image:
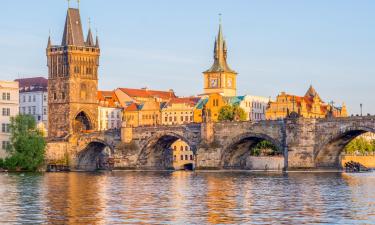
[(108, 98), (192, 101), (146, 93), (132, 107)]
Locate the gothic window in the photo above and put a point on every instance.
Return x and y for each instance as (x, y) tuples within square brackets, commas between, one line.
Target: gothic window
[(83, 92), (89, 70), (63, 95), (77, 69), (54, 96)]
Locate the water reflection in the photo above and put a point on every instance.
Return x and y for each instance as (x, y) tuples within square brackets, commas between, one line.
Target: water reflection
[(187, 197)]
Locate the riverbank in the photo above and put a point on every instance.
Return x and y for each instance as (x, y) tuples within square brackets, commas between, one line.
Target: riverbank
[(367, 160)]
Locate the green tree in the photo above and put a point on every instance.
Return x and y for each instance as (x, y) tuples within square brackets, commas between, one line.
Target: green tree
[(231, 113), (264, 148), (27, 145), (360, 146)]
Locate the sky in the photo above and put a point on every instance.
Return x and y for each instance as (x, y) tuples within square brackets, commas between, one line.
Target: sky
[(274, 45)]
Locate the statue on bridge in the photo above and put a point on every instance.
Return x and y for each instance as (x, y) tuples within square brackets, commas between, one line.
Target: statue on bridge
[(206, 114)]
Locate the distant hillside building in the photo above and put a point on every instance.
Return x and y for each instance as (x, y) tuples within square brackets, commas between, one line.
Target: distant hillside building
[(9, 96), (310, 106), (33, 99)]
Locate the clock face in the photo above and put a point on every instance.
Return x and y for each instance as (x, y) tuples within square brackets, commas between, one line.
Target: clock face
[(229, 82), (213, 82)]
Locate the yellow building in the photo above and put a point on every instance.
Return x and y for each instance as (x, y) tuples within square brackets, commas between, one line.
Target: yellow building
[(144, 114), (183, 157), (220, 78), (212, 104), (178, 111), (309, 106)]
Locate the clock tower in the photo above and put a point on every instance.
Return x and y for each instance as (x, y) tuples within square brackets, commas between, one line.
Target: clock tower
[(220, 78)]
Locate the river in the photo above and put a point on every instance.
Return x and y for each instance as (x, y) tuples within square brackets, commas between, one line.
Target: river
[(122, 197)]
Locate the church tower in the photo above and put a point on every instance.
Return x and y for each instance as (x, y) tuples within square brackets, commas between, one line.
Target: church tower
[(72, 80), (220, 78)]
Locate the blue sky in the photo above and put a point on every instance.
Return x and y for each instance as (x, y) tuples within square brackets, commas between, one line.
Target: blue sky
[(274, 45)]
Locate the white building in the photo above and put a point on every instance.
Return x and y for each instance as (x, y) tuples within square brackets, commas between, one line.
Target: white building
[(255, 107), (9, 108), (33, 99), (109, 111)]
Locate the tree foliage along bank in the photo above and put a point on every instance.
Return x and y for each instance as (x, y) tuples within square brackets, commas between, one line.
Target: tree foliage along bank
[(27, 145), (360, 146), (231, 113)]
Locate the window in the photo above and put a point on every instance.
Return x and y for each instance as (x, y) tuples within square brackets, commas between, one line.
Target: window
[(45, 98), (181, 148), (34, 98), (174, 158), (6, 111), (44, 111), (5, 128), (54, 96), (8, 96), (175, 147), (5, 145), (186, 148), (34, 110), (29, 110), (182, 157), (4, 96), (63, 95), (29, 98), (166, 119), (24, 98), (186, 157), (112, 115), (186, 118), (182, 118), (191, 157)]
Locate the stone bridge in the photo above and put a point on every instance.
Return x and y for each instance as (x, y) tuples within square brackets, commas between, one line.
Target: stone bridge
[(305, 144)]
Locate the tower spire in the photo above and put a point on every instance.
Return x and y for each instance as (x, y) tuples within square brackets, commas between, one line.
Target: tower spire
[(89, 39), (49, 39), (220, 52), (97, 39)]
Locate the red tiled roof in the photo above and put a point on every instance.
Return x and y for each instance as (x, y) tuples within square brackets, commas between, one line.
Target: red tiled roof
[(108, 98), (32, 84), (132, 107), (146, 93)]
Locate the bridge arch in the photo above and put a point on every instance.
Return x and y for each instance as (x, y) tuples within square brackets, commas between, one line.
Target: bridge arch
[(327, 152), (95, 155), (157, 154), (235, 154)]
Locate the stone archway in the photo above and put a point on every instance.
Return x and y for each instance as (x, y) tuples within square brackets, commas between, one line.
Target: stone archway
[(157, 153), (237, 154), (82, 122), (327, 153), (96, 155)]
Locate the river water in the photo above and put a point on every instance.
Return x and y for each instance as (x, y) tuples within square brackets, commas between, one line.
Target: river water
[(187, 198)]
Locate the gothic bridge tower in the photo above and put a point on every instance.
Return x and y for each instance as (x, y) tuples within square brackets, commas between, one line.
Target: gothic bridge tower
[(72, 80)]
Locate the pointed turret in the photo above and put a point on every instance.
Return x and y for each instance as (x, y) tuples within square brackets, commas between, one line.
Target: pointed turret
[(89, 39), (311, 93), (97, 42), (220, 55), (73, 34), (49, 44)]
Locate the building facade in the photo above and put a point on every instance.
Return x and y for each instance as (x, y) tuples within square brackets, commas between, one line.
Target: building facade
[(72, 80), (178, 111), (33, 100), (9, 105), (310, 106), (109, 111), (255, 107), (183, 157), (220, 78)]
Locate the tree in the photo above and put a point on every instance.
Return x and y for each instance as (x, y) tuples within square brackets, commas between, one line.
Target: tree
[(232, 113), (360, 146), (27, 145), (265, 148)]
